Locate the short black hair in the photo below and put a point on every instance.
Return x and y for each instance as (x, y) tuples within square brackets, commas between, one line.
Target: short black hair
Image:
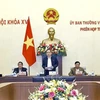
[(49, 50), (77, 62), (20, 62)]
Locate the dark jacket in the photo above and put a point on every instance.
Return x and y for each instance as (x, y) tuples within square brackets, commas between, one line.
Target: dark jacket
[(54, 62), (23, 69), (73, 71)]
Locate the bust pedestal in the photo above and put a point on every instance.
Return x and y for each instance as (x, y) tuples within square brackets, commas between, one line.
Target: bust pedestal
[(59, 65)]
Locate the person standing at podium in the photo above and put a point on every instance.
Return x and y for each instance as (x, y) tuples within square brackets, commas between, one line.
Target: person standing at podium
[(20, 70), (77, 70), (49, 62)]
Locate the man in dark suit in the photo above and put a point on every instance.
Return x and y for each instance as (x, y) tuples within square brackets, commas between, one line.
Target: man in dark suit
[(49, 62), (77, 70), (20, 70)]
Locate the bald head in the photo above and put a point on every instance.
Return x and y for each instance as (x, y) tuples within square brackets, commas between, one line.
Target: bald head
[(51, 33)]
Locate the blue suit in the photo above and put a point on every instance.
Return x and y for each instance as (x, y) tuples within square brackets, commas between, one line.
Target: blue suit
[(54, 62)]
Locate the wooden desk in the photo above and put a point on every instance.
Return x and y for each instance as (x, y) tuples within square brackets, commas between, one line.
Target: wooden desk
[(16, 79), (87, 78), (30, 78), (67, 78), (19, 91)]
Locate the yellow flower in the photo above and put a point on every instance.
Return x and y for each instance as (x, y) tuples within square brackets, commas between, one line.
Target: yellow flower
[(81, 98), (45, 82), (67, 91), (58, 48), (52, 86), (42, 97), (63, 95), (53, 89), (42, 49), (61, 50), (47, 90)]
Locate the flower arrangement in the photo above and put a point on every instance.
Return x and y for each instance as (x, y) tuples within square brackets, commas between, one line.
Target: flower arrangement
[(58, 49), (56, 90)]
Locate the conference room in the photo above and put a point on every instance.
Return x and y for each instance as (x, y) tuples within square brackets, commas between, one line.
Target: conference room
[(49, 50)]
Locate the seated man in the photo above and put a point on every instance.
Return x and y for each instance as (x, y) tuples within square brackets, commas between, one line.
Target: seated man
[(20, 70), (49, 62), (77, 70)]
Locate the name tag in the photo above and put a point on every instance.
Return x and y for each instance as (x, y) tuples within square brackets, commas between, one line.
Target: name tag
[(52, 73)]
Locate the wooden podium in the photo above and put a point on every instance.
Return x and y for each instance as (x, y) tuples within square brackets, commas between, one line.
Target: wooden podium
[(59, 65)]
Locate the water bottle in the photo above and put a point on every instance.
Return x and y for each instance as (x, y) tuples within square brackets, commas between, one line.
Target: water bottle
[(92, 74), (37, 74), (14, 74)]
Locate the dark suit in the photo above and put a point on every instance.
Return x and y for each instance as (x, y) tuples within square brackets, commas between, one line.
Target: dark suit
[(54, 63), (23, 69)]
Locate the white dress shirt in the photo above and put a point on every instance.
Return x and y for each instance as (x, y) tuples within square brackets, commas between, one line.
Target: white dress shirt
[(20, 70), (49, 64), (78, 71)]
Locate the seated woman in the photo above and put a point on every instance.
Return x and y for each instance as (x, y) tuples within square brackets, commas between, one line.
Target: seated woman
[(77, 70), (20, 70)]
